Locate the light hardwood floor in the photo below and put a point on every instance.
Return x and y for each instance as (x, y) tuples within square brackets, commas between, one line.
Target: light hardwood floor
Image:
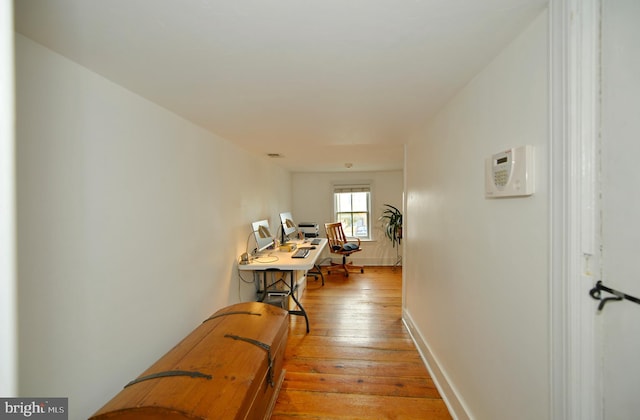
[(358, 360)]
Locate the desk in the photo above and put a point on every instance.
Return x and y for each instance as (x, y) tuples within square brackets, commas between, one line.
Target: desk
[(281, 261)]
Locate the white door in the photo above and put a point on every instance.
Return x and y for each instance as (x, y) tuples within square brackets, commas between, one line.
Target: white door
[(620, 205)]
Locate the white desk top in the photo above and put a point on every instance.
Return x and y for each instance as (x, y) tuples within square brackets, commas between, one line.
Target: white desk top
[(281, 260)]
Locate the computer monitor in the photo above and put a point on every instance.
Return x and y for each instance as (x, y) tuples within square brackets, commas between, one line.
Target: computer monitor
[(264, 238), (288, 225)]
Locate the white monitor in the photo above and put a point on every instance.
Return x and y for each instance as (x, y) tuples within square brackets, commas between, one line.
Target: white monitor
[(264, 238), (288, 225)]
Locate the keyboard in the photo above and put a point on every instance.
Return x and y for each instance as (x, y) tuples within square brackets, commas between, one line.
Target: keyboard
[(315, 242), (301, 253)]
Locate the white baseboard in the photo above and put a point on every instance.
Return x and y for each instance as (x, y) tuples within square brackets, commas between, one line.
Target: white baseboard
[(447, 391)]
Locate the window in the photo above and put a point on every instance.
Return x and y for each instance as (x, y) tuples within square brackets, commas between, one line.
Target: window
[(352, 204)]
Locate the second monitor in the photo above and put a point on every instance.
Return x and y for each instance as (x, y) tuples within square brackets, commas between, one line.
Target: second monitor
[(288, 226)]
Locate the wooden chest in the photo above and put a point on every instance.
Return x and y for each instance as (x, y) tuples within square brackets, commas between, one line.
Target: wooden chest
[(229, 367)]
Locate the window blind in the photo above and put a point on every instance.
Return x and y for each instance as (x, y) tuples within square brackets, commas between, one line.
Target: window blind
[(351, 188)]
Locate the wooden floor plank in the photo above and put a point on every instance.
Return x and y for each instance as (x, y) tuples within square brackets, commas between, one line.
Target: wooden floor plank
[(358, 361), (348, 353), (366, 341), (325, 405), (370, 385)]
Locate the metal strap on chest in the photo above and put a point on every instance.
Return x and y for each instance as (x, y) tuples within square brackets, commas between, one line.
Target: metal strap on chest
[(261, 345), (231, 313), (167, 373)]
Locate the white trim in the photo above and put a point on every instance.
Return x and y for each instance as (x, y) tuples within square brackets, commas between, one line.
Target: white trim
[(8, 281), (404, 226), (574, 115), (449, 394)]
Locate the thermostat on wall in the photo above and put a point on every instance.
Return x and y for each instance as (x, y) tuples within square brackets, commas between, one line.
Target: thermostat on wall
[(509, 173)]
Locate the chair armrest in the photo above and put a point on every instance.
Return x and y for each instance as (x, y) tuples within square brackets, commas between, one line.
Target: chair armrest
[(354, 239)]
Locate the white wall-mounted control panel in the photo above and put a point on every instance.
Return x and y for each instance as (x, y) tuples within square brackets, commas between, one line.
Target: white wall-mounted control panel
[(509, 173)]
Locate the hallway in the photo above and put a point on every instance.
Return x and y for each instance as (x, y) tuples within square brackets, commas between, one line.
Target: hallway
[(358, 361)]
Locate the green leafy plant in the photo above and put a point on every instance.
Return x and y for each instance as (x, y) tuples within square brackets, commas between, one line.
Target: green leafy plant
[(392, 224)]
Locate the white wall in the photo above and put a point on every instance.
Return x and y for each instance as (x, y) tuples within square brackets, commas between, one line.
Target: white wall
[(476, 269), (313, 202), (8, 307), (130, 221)]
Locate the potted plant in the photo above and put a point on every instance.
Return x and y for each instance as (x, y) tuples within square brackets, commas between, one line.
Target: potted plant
[(392, 224)]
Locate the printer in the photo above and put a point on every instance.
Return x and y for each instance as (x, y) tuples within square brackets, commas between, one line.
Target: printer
[(309, 229)]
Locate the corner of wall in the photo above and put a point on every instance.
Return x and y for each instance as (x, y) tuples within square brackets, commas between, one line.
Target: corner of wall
[(447, 390)]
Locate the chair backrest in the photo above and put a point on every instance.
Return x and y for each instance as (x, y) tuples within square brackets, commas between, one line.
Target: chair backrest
[(335, 235)]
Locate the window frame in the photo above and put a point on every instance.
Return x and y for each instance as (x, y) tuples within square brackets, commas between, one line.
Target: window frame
[(354, 188)]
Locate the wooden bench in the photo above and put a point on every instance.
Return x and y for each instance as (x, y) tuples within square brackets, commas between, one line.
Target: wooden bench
[(229, 367)]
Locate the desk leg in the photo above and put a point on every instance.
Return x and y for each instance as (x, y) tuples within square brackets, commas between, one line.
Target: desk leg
[(264, 287), (315, 272), (292, 287), (301, 310)]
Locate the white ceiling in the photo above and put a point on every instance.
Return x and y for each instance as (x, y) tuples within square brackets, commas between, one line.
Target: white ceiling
[(322, 82)]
